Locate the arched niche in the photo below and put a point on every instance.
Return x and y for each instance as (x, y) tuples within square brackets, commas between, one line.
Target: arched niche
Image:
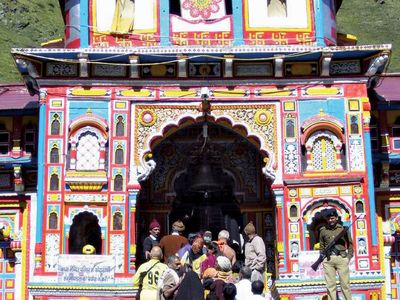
[(85, 229)]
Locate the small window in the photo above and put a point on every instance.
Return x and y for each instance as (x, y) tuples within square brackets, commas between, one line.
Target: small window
[(396, 137), (54, 156), (323, 155), (374, 133), (88, 152), (290, 128), (118, 183), (117, 221), (30, 140), (4, 142), (374, 138), (54, 182), (53, 220), (55, 125), (119, 156), (120, 127)]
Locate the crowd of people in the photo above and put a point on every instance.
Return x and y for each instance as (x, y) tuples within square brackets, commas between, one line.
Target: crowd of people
[(198, 267)]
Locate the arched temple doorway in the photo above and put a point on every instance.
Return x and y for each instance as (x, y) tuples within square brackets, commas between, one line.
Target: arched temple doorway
[(84, 230), (209, 176)]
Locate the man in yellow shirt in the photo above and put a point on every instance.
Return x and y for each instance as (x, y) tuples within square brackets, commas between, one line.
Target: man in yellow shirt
[(153, 269)]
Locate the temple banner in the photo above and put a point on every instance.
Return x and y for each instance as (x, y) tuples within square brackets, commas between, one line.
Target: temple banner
[(306, 259), (85, 269)]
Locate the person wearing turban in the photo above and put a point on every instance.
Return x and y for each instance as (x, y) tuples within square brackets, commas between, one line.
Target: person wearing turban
[(153, 238)]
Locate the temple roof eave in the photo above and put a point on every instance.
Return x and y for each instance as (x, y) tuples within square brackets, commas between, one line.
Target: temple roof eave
[(292, 52)]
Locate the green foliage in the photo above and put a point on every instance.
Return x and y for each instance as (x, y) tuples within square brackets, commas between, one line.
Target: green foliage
[(28, 23), (373, 22)]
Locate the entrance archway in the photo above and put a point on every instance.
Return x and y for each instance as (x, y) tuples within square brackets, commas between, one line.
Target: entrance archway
[(173, 190)]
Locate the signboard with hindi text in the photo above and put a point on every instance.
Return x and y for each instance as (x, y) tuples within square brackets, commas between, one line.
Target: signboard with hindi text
[(86, 269), (306, 259)]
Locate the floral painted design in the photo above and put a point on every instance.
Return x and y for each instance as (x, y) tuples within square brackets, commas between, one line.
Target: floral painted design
[(201, 8)]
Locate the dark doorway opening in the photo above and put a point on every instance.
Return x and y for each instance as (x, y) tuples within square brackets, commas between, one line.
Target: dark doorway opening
[(84, 230), (205, 174), (215, 212)]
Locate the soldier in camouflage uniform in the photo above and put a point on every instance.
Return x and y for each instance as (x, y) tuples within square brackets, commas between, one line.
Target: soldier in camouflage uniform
[(338, 260)]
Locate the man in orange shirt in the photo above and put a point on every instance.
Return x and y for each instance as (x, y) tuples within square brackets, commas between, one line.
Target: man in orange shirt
[(226, 250)]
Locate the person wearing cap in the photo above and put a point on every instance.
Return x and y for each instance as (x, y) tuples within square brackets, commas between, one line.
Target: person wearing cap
[(223, 276), (153, 239), (254, 253), (170, 244), (338, 260)]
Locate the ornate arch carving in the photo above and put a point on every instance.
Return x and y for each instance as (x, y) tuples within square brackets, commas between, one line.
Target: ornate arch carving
[(318, 205), (322, 122), (256, 123)]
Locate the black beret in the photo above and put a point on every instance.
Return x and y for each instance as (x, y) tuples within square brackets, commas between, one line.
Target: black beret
[(330, 212)]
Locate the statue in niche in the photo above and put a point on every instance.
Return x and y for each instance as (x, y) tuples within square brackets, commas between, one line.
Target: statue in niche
[(294, 249), (362, 246), (354, 125)]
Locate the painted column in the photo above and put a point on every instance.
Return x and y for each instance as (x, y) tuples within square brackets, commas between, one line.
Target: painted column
[(370, 171), (280, 230), (237, 19), (37, 214), (387, 265), (319, 23), (84, 23), (164, 23), (40, 182), (132, 228), (72, 24)]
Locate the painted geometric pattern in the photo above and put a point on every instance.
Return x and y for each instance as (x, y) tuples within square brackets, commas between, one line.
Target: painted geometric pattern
[(323, 155), (356, 155), (395, 269), (246, 116), (167, 162), (88, 153), (291, 159), (117, 246), (52, 252), (7, 275)]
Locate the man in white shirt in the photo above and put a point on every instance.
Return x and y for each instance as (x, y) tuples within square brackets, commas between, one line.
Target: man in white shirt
[(243, 287), (257, 288)]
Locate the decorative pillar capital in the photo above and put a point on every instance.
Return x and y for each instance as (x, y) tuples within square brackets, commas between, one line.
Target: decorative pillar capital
[(83, 64), (182, 66), (134, 68)]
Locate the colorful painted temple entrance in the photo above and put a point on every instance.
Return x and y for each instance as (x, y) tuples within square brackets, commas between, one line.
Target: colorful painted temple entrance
[(242, 110)]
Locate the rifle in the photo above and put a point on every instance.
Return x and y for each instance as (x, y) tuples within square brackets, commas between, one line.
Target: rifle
[(331, 246)]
